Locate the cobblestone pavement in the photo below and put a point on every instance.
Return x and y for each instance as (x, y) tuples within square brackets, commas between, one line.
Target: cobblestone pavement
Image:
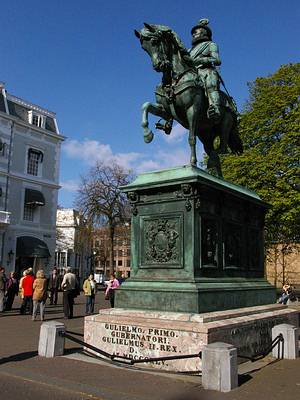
[(24, 375)]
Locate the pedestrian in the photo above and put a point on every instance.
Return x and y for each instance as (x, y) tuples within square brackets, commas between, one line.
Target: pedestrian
[(2, 288), (53, 286), (90, 290), (27, 288), (69, 287), (286, 294), (12, 290), (113, 284), (39, 294), (21, 291)]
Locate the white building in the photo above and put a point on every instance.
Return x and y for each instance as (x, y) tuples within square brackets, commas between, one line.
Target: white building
[(72, 244), (29, 182)]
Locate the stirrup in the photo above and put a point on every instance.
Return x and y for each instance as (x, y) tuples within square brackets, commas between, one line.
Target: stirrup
[(166, 127), (213, 113)]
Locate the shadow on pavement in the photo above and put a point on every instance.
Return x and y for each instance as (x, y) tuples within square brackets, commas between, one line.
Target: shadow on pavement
[(72, 350), (244, 379), (186, 396), (19, 357)]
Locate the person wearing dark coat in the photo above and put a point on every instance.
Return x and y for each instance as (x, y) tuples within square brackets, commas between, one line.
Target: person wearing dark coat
[(53, 286), (2, 288), (12, 289)]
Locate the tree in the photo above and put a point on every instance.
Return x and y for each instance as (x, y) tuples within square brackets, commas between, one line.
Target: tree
[(270, 164), (101, 200)]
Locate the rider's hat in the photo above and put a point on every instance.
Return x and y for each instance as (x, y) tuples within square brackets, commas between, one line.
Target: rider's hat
[(203, 23)]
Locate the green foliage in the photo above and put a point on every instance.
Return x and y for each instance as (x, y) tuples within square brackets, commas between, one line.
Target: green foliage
[(270, 165)]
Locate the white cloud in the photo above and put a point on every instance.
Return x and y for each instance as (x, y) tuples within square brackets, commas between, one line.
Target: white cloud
[(164, 159), (70, 185), (90, 151)]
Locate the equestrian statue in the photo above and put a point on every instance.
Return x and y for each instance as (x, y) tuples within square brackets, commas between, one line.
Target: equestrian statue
[(189, 92)]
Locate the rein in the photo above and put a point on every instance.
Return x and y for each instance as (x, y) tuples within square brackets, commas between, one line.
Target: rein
[(173, 88)]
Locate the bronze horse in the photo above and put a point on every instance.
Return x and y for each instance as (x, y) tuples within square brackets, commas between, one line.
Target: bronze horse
[(181, 96)]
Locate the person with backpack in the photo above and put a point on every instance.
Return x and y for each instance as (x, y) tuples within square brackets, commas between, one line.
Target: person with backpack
[(69, 286)]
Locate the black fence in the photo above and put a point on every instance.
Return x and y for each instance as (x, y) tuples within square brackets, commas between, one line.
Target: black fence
[(129, 361)]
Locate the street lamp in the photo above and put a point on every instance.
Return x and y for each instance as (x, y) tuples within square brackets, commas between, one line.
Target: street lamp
[(10, 255)]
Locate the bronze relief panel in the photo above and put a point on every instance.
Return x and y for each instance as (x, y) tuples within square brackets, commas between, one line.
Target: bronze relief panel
[(162, 243)]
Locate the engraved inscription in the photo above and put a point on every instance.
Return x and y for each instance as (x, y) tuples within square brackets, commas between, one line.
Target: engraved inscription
[(255, 338), (136, 339)]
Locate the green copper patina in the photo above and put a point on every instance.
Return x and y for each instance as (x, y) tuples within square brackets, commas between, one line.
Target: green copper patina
[(190, 91), (196, 245)]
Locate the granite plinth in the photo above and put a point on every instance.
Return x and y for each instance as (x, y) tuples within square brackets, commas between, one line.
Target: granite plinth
[(141, 334)]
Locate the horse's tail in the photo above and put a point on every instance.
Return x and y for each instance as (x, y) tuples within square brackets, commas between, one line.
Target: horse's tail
[(234, 141)]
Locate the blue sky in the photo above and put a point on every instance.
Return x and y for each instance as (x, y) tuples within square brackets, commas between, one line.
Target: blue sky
[(81, 60)]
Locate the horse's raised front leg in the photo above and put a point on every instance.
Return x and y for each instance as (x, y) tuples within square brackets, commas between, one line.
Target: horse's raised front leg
[(155, 109)]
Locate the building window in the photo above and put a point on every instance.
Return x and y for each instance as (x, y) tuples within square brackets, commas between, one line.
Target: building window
[(3, 149), (36, 119), (120, 263), (35, 158), (128, 263), (29, 212), (120, 253), (62, 262)]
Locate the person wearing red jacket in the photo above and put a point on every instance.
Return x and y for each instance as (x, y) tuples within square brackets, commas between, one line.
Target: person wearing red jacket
[(27, 286)]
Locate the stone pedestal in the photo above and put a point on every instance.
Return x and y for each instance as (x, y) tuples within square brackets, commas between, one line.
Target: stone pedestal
[(148, 334), (289, 348), (219, 367), (196, 244), (51, 341)]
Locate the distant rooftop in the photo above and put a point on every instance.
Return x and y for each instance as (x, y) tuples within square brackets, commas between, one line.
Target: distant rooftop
[(27, 111)]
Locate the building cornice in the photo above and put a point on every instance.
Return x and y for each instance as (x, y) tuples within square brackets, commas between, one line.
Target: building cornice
[(32, 127), (34, 181), (29, 105)]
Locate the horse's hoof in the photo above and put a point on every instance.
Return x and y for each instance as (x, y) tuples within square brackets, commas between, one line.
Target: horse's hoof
[(193, 162), (148, 137)]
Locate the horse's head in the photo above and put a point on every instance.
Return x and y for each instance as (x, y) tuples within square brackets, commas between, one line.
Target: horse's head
[(154, 41)]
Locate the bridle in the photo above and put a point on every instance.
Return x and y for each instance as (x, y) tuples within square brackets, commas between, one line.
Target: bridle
[(164, 56)]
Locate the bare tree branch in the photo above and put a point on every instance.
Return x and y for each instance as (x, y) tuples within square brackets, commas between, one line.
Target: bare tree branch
[(101, 200)]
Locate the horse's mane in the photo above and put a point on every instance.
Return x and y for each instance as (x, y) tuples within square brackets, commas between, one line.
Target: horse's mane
[(176, 39)]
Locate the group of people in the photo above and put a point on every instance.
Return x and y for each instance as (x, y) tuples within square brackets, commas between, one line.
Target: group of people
[(90, 289), (8, 290), (34, 291)]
